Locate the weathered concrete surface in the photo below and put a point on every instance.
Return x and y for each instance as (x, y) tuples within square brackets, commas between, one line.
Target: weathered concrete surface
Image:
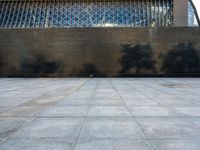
[(100, 114), (100, 52), (180, 13)]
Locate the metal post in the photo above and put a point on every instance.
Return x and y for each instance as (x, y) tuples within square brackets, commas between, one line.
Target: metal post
[(27, 8), (22, 14), (13, 16), (2, 10), (34, 24), (5, 14)]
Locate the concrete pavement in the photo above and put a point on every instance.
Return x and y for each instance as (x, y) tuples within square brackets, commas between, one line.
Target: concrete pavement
[(100, 114)]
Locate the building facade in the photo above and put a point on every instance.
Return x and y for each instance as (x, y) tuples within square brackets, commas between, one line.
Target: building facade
[(92, 13), (97, 37)]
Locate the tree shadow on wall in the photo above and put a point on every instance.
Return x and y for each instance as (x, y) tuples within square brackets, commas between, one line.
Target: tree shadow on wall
[(1, 64), (138, 57), (183, 58), (38, 65), (89, 70)]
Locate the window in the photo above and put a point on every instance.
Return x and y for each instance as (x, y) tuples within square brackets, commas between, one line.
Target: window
[(193, 12), (86, 13)]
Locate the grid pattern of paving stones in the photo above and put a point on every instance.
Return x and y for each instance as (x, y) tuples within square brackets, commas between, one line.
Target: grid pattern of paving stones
[(100, 114)]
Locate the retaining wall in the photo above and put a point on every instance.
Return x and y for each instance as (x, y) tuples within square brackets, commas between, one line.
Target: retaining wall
[(82, 52)]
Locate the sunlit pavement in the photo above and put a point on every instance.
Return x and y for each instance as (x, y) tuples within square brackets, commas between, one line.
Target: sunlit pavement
[(100, 114)]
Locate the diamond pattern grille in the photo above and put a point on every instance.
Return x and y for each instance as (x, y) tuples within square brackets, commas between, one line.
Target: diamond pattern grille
[(90, 13)]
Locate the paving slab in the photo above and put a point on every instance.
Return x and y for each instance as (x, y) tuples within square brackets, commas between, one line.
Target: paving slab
[(37, 144), (176, 144), (74, 102), (140, 102), (23, 111), (153, 111), (10, 126), (66, 111), (2, 109), (51, 128), (106, 102), (188, 111), (109, 128), (113, 145), (108, 111), (168, 128)]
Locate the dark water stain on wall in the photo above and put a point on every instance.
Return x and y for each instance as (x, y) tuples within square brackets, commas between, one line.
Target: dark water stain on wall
[(183, 58), (38, 65), (138, 57), (1, 63), (89, 70)]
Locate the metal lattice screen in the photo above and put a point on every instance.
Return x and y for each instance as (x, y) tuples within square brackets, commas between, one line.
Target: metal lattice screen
[(192, 20), (86, 13)]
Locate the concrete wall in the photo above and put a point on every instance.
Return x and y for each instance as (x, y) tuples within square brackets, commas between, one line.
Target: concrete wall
[(180, 13), (100, 51)]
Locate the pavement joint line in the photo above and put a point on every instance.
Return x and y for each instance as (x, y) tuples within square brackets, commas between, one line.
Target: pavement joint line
[(163, 91), (145, 137), (103, 117), (131, 139), (145, 94), (141, 126), (191, 122), (40, 95), (84, 119), (36, 117)]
